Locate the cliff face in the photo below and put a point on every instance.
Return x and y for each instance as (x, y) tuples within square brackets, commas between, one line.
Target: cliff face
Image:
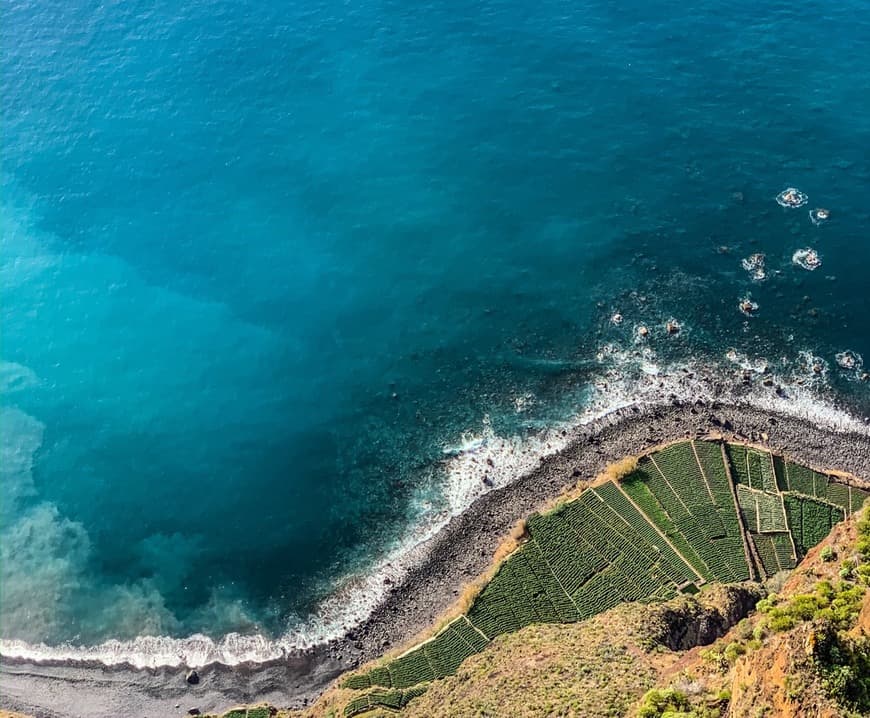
[(684, 624), (778, 679), (804, 654)]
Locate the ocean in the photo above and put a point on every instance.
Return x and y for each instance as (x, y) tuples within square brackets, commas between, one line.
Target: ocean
[(286, 285)]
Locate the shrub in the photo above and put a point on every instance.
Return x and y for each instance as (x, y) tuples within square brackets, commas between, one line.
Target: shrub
[(781, 623), (839, 605), (657, 703), (733, 651), (844, 664), (827, 555), (744, 629), (847, 568)]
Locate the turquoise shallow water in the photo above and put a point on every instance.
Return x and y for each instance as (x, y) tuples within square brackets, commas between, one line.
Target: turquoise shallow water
[(263, 262)]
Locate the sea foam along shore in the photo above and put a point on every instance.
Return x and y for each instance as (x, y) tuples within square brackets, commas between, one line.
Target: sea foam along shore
[(482, 462), (806, 429), (459, 552)]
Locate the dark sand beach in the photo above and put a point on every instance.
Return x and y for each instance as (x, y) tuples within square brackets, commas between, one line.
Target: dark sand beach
[(455, 556)]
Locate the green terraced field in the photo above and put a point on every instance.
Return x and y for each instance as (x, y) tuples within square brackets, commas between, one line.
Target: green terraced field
[(691, 513)]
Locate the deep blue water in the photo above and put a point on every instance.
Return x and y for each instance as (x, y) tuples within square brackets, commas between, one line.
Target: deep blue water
[(263, 261)]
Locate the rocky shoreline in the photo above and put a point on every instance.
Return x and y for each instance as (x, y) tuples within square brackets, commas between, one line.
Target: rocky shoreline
[(455, 556)]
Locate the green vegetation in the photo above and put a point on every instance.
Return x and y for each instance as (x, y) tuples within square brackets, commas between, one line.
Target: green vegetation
[(657, 703), (394, 700), (636, 488), (674, 523), (838, 605), (842, 659), (812, 484), (844, 664), (673, 703), (809, 520)]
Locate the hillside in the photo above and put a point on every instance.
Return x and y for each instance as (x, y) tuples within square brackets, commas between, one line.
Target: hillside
[(602, 596), (689, 514)]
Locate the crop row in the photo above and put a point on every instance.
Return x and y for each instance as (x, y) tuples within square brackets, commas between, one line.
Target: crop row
[(627, 540), (533, 558), (597, 595), (807, 482), (680, 468), (752, 467), (626, 580), (838, 494), (800, 479), (447, 651), (739, 464), (411, 669), (599, 550), (493, 610), (803, 480), (395, 700), (761, 470), (713, 465), (645, 556), (733, 547), (815, 522), (780, 471), (694, 495), (635, 485), (771, 517), (748, 508), (436, 658), (793, 513), (810, 520), (723, 567), (766, 550), (762, 512), (857, 497), (569, 556), (625, 546), (755, 467), (678, 570), (782, 543)]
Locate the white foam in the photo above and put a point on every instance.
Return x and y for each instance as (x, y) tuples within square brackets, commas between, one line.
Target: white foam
[(807, 259), (754, 264), (747, 307), (791, 198), (850, 360), (819, 215)]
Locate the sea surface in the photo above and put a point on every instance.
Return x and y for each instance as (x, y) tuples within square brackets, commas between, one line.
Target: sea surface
[(278, 278)]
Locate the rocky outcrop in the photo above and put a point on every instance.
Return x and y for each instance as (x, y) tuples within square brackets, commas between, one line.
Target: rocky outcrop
[(698, 621)]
